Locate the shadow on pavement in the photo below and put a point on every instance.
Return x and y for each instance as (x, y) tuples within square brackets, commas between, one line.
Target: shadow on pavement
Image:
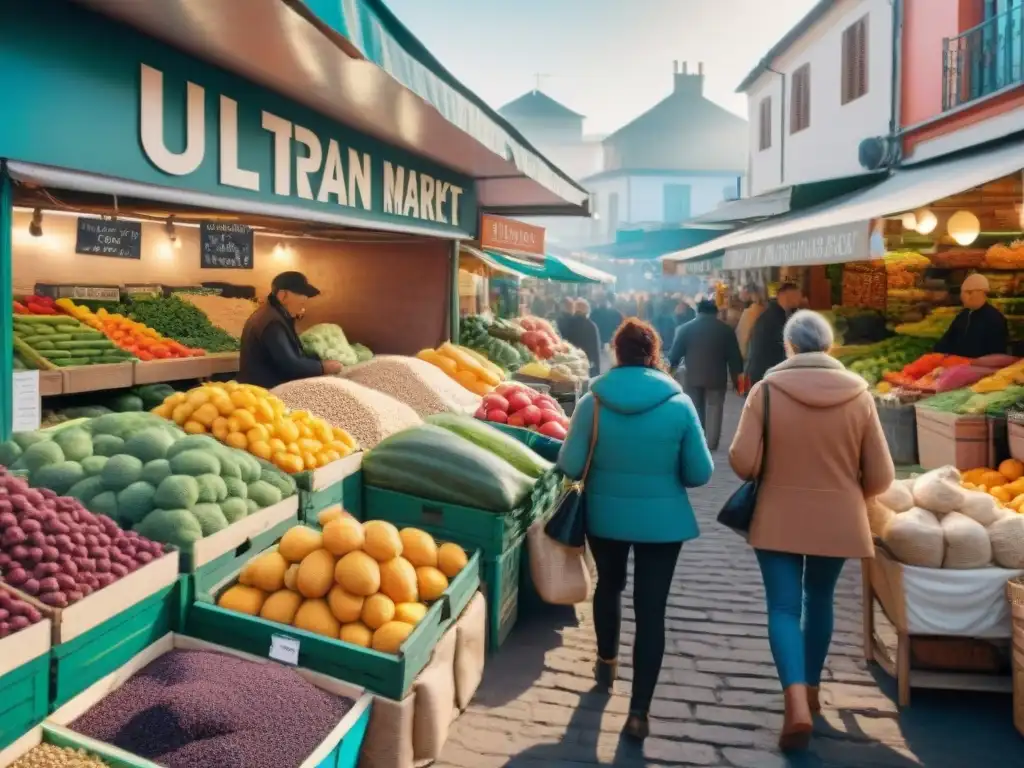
[(522, 655)]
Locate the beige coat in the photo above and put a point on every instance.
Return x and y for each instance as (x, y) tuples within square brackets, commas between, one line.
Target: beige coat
[(826, 454), (746, 326)]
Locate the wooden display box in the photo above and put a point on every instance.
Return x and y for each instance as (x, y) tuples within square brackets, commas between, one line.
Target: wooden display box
[(94, 378), (24, 681), (382, 673), (948, 663), (340, 749), (1015, 432), (223, 362), (160, 371), (945, 439), (51, 383)]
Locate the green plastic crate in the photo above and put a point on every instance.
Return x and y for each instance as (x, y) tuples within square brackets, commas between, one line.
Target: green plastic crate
[(50, 733), (216, 570), (500, 579), (544, 446), (384, 674), (348, 493), (492, 533), (79, 663), (24, 698)]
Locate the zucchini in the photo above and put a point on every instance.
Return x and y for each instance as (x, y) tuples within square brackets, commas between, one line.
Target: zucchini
[(51, 337), (432, 463), (30, 356), (49, 320), (70, 328), (101, 344), (41, 344), (57, 354), (490, 439)]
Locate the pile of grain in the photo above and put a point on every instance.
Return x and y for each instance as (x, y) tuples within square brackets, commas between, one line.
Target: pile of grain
[(52, 756), (366, 414), (423, 387), (227, 314), (203, 709)]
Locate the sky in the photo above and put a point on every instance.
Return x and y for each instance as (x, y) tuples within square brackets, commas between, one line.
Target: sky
[(610, 60)]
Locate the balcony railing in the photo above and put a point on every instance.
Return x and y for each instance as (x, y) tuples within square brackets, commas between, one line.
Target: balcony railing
[(984, 60)]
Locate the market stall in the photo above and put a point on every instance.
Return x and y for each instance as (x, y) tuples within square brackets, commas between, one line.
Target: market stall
[(153, 497)]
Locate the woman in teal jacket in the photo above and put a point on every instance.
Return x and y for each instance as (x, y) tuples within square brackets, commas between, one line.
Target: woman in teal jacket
[(650, 449)]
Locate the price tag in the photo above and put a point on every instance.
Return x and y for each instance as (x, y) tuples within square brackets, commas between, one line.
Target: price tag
[(284, 649), (26, 407)]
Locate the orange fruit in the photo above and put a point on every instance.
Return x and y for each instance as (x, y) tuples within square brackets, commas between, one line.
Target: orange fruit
[(194, 427), (277, 445), (257, 434), (220, 428), (205, 414), (261, 448), (309, 460), (237, 440), (287, 430)]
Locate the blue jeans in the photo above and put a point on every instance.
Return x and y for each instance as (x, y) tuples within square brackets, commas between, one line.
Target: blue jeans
[(799, 586)]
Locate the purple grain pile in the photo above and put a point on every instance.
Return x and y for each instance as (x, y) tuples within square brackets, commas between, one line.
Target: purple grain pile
[(203, 709)]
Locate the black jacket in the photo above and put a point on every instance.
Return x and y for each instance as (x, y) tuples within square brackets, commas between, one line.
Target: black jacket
[(766, 349), (271, 351), (580, 331), (710, 350), (607, 320), (975, 333)]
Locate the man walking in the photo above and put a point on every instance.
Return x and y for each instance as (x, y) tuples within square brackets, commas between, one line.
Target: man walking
[(766, 349), (708, 348)]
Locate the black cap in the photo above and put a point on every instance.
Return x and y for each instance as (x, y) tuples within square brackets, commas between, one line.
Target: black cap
[(295, 282)]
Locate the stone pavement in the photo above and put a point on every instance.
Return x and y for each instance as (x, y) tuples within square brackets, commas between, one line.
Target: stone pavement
[(718, 701)]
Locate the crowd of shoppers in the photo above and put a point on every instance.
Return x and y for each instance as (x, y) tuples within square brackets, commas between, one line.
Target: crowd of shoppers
[(808, 430)]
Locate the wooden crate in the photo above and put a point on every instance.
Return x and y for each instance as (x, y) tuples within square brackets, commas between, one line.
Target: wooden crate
[(945, 439), (962, 664), (51, 383), (93, 378), (159, 371), (340, 749), (1015, 433)]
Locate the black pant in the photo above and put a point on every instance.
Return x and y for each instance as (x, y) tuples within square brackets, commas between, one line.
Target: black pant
[(653, 568)]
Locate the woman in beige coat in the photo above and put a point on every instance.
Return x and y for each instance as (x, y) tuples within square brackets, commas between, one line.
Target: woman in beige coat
[(826, 454)]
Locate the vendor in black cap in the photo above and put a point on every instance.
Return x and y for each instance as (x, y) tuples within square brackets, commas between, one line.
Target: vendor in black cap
[(271, 352)]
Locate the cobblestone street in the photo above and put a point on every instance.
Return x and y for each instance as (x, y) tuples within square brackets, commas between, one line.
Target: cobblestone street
[(718, 702)]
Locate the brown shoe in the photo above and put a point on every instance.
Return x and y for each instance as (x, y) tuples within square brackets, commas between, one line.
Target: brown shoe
[(797, 724), (813, 699)]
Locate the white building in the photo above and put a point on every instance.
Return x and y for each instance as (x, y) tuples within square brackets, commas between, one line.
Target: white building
[(819, 92), (681, 158)]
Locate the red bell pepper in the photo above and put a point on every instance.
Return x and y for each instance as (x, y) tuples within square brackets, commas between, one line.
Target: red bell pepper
[(20, 309)]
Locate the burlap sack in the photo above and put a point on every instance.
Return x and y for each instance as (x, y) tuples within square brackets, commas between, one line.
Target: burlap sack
[(898, 497), (939, 491), (560, 574), (981, 508), (388, 742), (1007, 537), (915, 538), (879, 517), (967, 544), (435, 700), (470, 650)]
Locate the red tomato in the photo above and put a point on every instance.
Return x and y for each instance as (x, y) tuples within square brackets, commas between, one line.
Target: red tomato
[(517, 401), (546, 415), (553, 429), (497, 415), (516, 420), (531, 414), (493, 401)]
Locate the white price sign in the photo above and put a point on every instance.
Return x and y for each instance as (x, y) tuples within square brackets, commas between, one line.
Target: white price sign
[(26, 407), (284, 649)]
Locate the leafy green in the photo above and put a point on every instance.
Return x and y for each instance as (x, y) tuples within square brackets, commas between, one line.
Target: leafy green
[(180, 320)]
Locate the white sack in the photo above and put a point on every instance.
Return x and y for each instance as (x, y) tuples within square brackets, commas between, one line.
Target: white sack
[(967, 544), (898, 497), (981, 508), (915, 538), (1007, 537), (939, 491)]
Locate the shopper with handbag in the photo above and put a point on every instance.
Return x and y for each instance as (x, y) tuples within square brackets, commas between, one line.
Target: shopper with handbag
[(636, 441), (811, 448)]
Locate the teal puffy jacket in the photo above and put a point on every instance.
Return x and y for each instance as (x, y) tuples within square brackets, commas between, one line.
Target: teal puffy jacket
[(650, 449)]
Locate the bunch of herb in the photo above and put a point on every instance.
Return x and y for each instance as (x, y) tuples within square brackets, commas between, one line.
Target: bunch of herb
[(181, 321)]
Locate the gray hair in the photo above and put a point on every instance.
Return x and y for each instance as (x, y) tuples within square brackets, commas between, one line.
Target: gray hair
[(807, 331)]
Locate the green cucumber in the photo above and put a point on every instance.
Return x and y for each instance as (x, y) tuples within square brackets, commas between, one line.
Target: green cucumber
[(487, 437)]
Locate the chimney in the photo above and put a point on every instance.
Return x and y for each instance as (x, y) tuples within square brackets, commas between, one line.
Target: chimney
[(675, 67), (689, 85)]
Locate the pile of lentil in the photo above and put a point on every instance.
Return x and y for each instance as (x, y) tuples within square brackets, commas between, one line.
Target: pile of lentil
[(52, 756), (203, 709), (423, 387), (366, 414)]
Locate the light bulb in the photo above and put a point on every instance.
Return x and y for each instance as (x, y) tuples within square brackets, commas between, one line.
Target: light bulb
[(964, 227), (909, 221), (926, 222)]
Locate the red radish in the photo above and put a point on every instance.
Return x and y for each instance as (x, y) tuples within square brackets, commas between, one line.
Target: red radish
[(493, 401), (531, 414), (516, 420), (508, 388), (527, 324), (481, 412), (553, 429), (498, 415), (548, 415), (564, 421), (517, 401), (547, 401)]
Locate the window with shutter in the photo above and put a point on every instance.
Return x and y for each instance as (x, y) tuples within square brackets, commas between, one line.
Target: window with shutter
[(765, 124), (854, 70), (800, 102)]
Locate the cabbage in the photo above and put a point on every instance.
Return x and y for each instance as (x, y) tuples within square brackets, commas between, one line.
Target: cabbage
[(327, 341)]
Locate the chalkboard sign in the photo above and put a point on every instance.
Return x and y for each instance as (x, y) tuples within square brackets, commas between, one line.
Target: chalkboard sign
[(225, 246), (108, 237)]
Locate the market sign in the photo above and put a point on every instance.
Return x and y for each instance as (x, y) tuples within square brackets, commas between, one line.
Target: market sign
[(828, 245), (147, 113), (510, 235), (693, 267)]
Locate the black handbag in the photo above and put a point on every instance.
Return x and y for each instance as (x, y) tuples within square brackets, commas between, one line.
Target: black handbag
[(738, 512), (568, 526)]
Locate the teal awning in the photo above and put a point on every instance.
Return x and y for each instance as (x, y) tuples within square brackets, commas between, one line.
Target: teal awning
[(558, 268)]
